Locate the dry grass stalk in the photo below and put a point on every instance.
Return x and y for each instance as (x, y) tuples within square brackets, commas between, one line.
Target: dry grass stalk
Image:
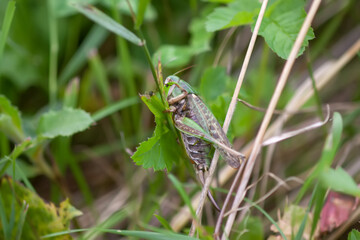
[(273, 102), (229, 113)]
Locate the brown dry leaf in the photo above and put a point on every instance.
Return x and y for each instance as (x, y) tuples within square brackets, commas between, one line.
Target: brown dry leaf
[(337, 209)]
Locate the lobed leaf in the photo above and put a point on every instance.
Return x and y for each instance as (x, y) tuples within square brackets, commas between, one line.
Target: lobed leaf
[(65, 122), (161, 150), (235, 14), (281, 25)]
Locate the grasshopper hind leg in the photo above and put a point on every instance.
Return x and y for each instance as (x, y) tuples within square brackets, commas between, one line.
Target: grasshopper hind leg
[(200, 173)]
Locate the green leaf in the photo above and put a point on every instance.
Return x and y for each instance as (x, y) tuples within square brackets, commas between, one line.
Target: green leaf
[(155, 105), (173, 56), (200, 38), (161, 150), (66, 212), (281, 25), (10, 121), (213, 83), (176, 56), (340, 181), (236, 13), (354, 235), (9, 129), (29, 74), (158, 152), (65, 122), (41, 218), (11, 111), (251, 228), (102, 19), (141, 12)]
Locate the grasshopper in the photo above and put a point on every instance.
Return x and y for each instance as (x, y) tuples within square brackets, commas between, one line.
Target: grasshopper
[(198, 127)]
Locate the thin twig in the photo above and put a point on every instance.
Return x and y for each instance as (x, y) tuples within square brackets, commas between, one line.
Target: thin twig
[(222, 46), (335, 106), (280, 86), (269, 193)]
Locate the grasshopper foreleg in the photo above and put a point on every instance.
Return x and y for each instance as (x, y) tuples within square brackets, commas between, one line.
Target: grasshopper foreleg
[(178, 98)]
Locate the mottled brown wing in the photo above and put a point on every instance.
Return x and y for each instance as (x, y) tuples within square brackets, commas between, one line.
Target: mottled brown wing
[(210, 124)]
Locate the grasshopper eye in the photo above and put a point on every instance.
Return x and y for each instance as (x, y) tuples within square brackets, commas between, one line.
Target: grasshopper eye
[(167, 81)]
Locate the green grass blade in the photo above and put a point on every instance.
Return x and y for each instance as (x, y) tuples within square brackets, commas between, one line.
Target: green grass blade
[(94, 39), (127, 81), (20, 223), (114, 107), (267, 216), (141, 13), (316, 92), (164, 222), (4, 145), (71, 95), (54, 50), (25, 179), (4, 221), (182, 193), (9, 14), (301, 230), (109, 222), (102, 19), (318, 205), (66, 157), (137, 234), (98, 68), (330, 148)]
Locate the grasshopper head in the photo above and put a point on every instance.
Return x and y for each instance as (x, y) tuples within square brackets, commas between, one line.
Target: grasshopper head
[(181, 85), (171, 79)]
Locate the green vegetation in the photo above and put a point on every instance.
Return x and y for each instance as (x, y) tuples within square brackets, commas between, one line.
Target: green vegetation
[(88, 150)]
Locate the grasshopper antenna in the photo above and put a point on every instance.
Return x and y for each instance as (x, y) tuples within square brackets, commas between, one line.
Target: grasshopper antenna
[(184, 69)]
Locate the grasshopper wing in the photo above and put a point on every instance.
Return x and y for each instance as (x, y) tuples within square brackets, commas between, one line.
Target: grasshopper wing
[(210, 125)]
